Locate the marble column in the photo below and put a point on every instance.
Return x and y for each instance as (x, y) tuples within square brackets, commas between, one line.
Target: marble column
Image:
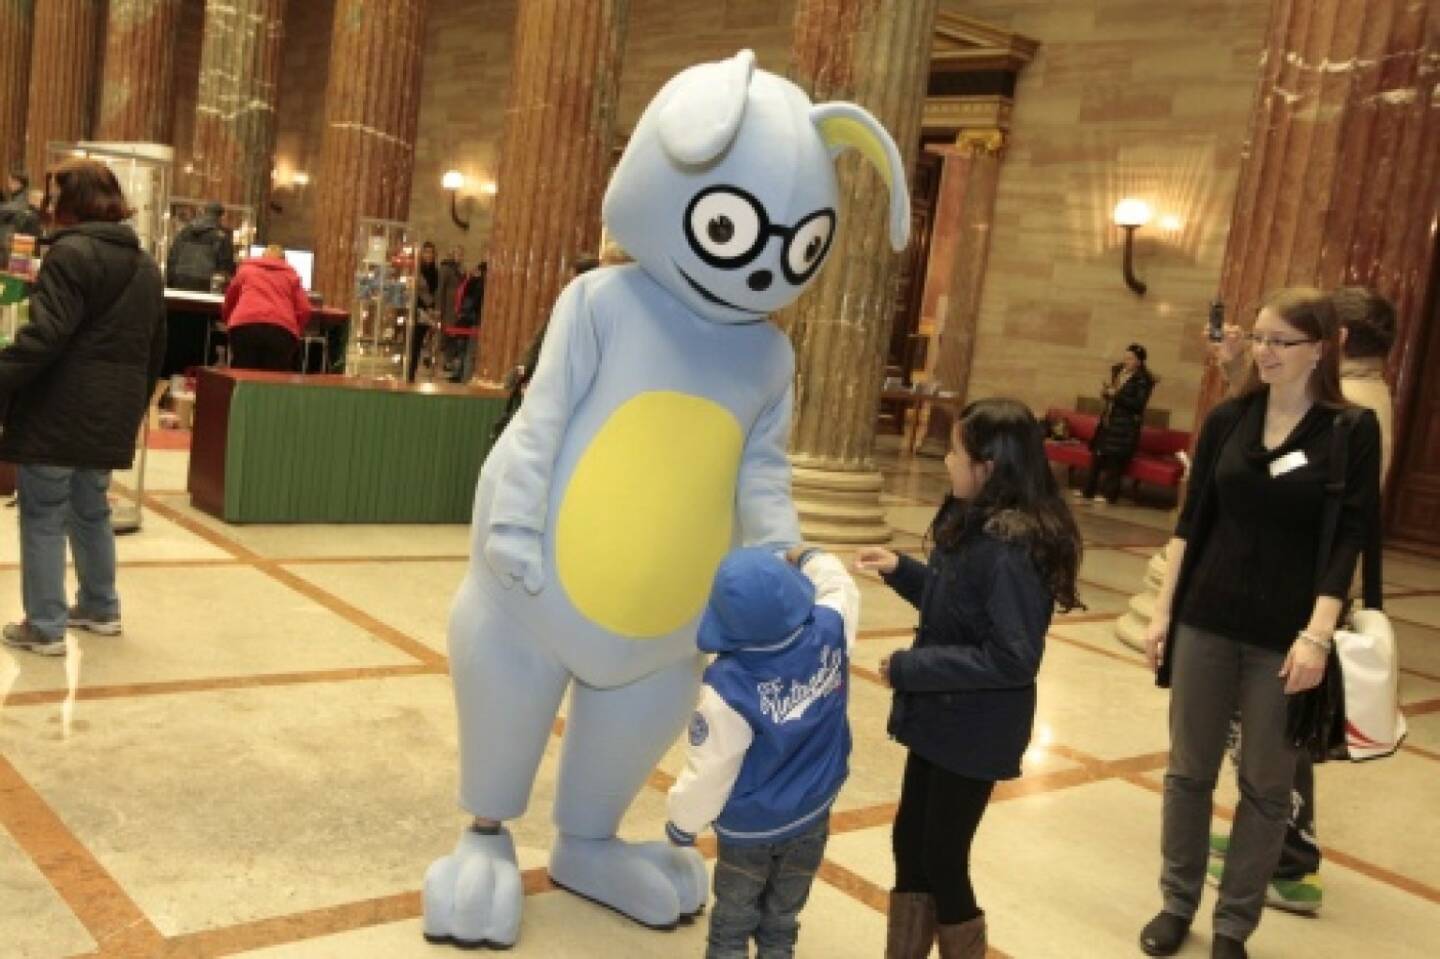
[(234, 145), (876, 54), (138, 80), (367, 155), (1339, 183), (554, 162), (1339, 171), (959, 250), (17, 20), (64, 60)]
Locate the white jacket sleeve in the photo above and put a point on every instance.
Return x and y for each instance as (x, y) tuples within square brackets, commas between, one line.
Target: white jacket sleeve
[(719, 737), (835, 588)]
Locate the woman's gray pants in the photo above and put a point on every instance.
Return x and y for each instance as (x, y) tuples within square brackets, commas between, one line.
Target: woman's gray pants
[(1211, 678)]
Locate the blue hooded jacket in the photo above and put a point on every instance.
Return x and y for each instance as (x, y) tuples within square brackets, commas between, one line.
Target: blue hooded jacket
[(781, 665)]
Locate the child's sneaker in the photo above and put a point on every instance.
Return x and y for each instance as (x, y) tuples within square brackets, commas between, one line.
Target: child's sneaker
[(1302, 896), (27, 637), (103, 624)]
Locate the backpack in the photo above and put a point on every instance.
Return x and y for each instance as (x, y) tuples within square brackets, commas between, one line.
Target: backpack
[(194, 259)]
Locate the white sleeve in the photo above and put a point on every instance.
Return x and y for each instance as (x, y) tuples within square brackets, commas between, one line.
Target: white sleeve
[(562, 378), (835, 588), (719, 737)]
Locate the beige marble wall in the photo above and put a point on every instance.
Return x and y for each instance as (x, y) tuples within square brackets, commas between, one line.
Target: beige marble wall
[(462, 113), (304, 69), (465, 84), (1125, 98)]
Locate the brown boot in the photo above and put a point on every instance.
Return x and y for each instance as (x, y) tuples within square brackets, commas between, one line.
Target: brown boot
[(965, 940), (911, 926)]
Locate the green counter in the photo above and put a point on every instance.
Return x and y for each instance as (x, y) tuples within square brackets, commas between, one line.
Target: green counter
[(284, 448)]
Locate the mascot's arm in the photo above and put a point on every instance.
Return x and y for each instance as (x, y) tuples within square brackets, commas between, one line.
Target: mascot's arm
[(719, 737), (834, 588), (522, 499), (767, 513)]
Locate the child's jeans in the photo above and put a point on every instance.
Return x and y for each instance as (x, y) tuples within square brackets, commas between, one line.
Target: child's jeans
[(759, 892)]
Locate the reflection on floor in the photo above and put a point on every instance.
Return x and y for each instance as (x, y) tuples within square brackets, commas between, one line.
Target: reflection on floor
[(265, 764)]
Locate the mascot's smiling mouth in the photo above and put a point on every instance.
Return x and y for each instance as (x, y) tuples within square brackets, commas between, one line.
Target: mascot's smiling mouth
[(713, 298)]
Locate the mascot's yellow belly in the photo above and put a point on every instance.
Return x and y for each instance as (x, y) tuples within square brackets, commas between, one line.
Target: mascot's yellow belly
[(648, 513)]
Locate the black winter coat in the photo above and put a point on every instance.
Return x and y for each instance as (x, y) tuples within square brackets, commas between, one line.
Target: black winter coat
[(76, 381), (965, 692), (1119, 432)]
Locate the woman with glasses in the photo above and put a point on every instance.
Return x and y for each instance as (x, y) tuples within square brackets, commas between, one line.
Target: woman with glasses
[(74, 386), (1243, 620), (1118, 436)]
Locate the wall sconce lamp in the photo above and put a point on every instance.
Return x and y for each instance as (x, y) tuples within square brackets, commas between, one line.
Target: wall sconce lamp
[(1130, 215), (452, 181)]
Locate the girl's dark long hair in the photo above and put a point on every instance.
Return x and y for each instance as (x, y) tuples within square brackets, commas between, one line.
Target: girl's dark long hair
[(1020, 501)]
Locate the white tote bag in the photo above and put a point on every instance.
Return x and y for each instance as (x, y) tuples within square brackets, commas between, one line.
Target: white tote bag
[(1370, 673)]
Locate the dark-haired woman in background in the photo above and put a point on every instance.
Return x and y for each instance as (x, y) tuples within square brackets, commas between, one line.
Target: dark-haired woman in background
[(1242, 619), (1006, 552), (1118, 436), (74, 386)]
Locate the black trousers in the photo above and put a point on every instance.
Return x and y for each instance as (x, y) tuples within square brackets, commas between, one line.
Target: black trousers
[(263, 346), (1107, 469), (939, 813)]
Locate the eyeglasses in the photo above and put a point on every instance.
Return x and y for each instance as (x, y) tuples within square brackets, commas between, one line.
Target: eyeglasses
[(1272, 342), (728, 228)]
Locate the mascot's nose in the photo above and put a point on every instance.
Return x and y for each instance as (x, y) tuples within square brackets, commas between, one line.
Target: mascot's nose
[(760, 280)]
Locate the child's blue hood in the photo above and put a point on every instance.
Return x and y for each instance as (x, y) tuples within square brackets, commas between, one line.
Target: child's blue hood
[(757, 599)]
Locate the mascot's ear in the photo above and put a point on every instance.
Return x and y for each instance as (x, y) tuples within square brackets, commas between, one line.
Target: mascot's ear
[(845, 126), (704, 110)]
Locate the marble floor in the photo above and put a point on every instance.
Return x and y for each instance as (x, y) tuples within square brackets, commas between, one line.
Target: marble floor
[(265, 764)]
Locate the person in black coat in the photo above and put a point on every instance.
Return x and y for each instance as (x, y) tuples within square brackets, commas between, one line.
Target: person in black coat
[(1248, 608), (74, 387), (1006, 552), (1118, 436)]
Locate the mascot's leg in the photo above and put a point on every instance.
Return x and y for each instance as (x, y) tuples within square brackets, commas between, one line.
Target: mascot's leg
[(507, 691), (613, 739)]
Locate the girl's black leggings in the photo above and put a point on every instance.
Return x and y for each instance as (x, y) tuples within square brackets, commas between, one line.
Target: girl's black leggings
[(939, 813)]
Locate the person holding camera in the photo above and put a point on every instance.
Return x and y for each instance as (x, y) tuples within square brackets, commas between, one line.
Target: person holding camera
[(1248, 608), (1126, 395)]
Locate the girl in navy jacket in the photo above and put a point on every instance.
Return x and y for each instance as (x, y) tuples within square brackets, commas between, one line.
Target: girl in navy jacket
[(1006, 552)]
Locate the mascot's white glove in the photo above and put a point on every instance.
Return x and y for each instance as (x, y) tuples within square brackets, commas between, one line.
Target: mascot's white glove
[(513, 552)]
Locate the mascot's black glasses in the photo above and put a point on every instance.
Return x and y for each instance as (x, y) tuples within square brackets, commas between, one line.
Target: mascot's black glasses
[(728, 228)]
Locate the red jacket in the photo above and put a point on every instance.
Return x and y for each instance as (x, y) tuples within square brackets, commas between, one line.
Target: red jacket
[(266, 291)]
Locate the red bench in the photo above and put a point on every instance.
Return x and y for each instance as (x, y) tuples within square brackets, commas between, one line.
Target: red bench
[(1156, 462)]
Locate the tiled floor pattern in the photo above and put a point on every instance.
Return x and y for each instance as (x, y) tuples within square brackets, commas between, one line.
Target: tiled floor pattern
[(265, 764)]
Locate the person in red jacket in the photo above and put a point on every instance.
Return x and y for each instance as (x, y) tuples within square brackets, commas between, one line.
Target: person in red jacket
[(265, 311)]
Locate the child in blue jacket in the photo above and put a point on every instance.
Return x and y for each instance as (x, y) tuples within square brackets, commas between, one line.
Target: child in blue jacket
[(769, 741)]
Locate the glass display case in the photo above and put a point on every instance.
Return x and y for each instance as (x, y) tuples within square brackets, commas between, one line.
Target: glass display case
[(144, 171), (239, 220), (382, 311)]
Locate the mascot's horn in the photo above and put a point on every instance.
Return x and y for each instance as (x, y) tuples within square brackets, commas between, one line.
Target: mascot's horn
[(845, 126)]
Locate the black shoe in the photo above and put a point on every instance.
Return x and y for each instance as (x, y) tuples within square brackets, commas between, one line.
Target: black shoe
[(1163, 935), (1226, 948)]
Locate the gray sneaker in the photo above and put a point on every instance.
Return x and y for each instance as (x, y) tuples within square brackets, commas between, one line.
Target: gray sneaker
[(104, 625), (27, 637)]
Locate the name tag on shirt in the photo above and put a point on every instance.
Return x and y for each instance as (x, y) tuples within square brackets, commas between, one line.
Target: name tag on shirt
[(1288, 462)]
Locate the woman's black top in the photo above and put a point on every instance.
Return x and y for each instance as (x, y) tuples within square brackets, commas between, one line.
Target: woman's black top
[(965, 691), (1124, 416), (1252, 522)]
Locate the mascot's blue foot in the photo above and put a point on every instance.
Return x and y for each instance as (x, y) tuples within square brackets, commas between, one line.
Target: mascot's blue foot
[(654, 883), (473, 896)]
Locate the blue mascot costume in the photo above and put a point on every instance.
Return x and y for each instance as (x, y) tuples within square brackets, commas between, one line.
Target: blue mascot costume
[(652, 440)]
